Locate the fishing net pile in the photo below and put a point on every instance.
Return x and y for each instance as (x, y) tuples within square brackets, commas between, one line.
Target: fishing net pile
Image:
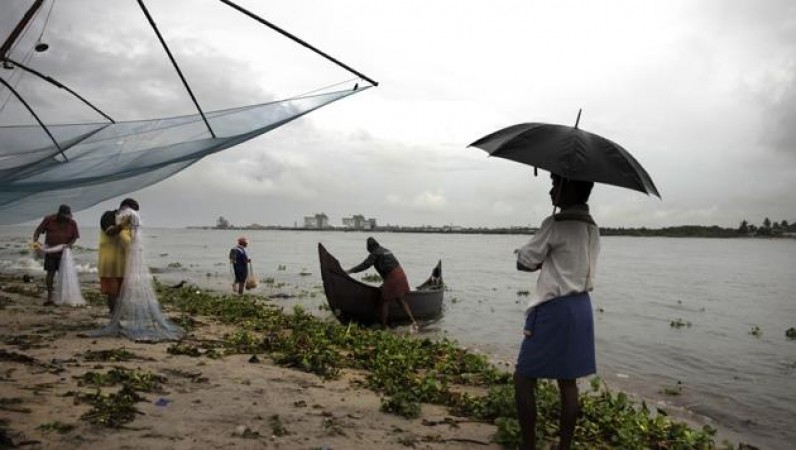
[(137, 313), (67, 283), (68, 292)]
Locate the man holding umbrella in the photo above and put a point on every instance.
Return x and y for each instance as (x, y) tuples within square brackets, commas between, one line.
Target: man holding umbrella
[(558, 339), (559, 328)]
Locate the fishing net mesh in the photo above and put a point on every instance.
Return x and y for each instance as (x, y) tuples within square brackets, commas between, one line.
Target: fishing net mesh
[(137, 313), (67, 284), (98, 161)]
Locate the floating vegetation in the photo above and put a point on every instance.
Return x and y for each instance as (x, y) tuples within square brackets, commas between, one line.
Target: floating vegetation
[(675, 390), (186, 322), (281, 267), (790, 333), (135, 379), (183, 349), (401, 404), (679, 323), (523, 292), (277, 428), (24, 341), (756, 331), (12, 404), (116, 409), (333, 426), (245, 432), (27, 291), (94, 298), (57, 330), (409, 371), (113, 355), (195, 376), (268, 280), (372, 278), (194, 351), (56, 426), (508, 432), (17, 357), (112, 410)]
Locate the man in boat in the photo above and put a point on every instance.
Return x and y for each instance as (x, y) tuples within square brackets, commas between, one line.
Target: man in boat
[(395, 284), (558, 337), (59, 229)]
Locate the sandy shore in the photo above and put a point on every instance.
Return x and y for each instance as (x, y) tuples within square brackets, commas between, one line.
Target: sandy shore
[(230, 402)]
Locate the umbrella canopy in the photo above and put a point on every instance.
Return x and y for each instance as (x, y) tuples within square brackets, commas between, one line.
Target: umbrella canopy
[(570, 152)]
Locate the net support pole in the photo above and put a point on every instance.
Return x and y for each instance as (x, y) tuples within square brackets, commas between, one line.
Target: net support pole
[(6, 47), (176, 67), (58, 84), (298, 40), (35, 116)]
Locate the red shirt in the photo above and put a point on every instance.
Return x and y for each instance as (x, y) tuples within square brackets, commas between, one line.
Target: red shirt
[(56, 232)]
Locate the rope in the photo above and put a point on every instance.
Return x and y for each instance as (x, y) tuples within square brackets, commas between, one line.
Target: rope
[(46, 20), (324, 88)]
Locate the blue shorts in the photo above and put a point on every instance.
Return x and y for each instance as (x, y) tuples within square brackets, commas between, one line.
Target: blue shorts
[(559, 339), (241, 272)]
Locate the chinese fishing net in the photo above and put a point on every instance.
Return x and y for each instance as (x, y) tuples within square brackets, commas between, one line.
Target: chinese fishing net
[(137, 313), (97, 161)]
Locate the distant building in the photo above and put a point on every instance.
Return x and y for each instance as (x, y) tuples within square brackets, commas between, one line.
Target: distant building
[(359, 222), (319, 221)]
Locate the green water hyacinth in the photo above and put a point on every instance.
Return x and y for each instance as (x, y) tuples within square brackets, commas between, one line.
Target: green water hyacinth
[(410, 371)]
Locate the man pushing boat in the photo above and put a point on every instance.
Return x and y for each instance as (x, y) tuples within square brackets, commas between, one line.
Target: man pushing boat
[(395, 284)]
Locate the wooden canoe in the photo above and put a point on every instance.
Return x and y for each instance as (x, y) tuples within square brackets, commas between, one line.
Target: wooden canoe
[(351, 299)]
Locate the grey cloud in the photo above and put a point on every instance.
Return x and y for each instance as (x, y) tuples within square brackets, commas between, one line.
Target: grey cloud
[(780, 119), (703, 100)]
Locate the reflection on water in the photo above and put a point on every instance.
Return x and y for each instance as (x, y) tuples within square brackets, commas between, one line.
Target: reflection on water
[(723, 287)]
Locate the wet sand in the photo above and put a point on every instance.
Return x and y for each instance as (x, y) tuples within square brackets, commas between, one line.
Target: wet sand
[(231, 402)]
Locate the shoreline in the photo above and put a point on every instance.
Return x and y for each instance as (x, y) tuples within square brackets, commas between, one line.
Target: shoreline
[(229, 377), (683, 231), (204, 402)]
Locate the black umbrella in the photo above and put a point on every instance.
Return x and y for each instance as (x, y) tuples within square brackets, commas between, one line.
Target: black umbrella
[(570, 152)]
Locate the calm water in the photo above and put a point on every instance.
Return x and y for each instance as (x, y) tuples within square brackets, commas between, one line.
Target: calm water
[(743, 383)]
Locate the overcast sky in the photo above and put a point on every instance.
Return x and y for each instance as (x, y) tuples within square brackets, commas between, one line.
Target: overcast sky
[(702, 93)]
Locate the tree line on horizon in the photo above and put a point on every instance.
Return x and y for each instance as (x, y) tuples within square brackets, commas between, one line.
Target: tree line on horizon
[(767, 229), (745, 229)]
